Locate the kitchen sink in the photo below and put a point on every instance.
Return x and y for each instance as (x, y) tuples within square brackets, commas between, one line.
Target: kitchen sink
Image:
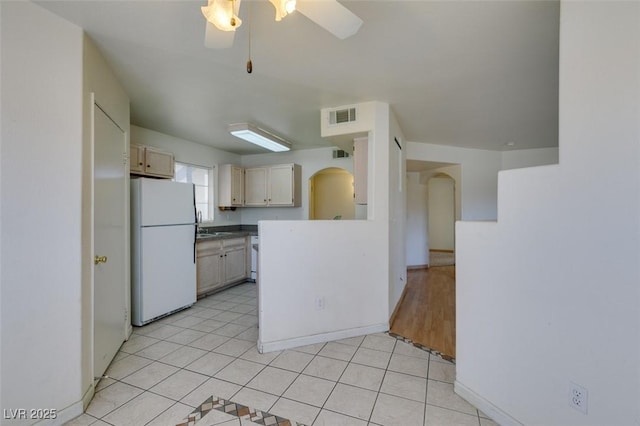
[(214, 234)]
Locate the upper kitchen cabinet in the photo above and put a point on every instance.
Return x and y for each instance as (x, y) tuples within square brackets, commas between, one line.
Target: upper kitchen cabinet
[(273, 186), (231, 186), (255, 186), (147, 161), (285, 185), (136, 159)]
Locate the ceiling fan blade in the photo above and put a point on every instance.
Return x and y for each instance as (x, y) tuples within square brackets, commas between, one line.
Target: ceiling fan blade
[(330, 15), (216, 39)]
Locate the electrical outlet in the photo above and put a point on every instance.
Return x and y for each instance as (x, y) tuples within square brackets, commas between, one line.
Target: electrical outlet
[(319, 303), (578, 397)]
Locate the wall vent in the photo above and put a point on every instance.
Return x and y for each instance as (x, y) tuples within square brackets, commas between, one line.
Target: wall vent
[(340, 153), (340, 116)]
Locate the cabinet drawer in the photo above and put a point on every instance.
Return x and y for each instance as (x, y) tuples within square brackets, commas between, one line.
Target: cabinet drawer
[(209, 247)]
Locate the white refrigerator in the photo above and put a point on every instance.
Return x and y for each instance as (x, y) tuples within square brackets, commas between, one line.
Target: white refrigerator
[(163, 238)]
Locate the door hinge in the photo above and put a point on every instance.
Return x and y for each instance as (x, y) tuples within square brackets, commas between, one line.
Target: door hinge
[(125, 158)]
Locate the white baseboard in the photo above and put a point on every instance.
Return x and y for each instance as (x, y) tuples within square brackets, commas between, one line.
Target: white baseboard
[(88, 396), (63, 416), (496, 414), (264, 347)]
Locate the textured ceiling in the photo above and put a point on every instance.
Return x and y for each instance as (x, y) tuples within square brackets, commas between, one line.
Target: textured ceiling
[(473, 74)]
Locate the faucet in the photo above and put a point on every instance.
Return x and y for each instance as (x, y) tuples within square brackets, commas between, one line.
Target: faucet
[(199, 222)]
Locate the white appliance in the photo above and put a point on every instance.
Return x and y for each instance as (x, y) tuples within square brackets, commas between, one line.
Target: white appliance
[(163, 238), (254, 257)]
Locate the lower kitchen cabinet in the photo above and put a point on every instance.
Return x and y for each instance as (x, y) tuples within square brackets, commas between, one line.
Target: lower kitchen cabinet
[(235, 260), (222, 262), (208, 266)]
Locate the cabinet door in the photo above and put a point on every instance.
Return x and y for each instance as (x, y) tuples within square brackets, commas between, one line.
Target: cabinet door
[(235, 263), (158, 163), (136, 159), (281, 185), (237, 186), (209, 266), (230, 185), (255, 186)]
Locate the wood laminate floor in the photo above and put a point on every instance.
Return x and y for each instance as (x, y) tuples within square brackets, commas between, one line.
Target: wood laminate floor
[(427, 313)]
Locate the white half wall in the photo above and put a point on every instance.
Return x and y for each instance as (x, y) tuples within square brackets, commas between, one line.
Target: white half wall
[(41, 166), (320, 280), (549, 295), (325, 280)]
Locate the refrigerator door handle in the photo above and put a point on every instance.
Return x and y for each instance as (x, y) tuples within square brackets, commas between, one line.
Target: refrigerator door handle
[(195, 239), (195, 227), (195, 210)]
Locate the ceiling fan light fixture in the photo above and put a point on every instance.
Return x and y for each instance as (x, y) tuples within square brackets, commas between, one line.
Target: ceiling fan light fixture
[(260, 137), (222, 14), (283, 7)]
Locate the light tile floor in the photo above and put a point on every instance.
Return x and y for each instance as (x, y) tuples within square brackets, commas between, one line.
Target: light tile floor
[(169, 368)]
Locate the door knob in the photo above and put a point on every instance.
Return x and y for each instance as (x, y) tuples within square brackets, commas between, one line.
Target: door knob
[(100, 259)]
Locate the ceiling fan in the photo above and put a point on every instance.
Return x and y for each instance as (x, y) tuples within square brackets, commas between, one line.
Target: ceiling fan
[(222, 18)]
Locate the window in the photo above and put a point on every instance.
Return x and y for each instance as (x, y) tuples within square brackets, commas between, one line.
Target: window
[(202, 179)]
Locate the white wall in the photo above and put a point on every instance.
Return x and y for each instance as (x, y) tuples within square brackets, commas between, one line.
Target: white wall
[(192, 153), (455, 173), (477, 187), (520, 158), (41, 166), (417, 235), (332, 195), (99, 80), (479, 180), (549, 294), (396, 204), (441, 213)]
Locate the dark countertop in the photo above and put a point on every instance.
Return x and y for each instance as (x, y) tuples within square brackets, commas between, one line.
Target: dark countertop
[(224, 235), (227, 232)]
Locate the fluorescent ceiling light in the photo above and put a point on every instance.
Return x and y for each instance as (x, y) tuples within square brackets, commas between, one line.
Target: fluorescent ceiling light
[(260, 137)]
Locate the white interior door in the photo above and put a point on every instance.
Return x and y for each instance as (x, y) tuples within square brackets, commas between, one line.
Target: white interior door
[(110, 241)]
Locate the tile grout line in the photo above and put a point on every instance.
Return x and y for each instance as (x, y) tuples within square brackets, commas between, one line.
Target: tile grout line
[(382, 381), (164, 363), (237, 356), (339, 377)]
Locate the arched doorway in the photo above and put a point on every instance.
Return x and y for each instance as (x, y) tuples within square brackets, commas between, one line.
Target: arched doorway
[(441, 214), (331, 195)]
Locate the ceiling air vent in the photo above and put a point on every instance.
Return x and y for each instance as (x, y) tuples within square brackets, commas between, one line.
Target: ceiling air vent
[(341, 116), (340, 153)]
